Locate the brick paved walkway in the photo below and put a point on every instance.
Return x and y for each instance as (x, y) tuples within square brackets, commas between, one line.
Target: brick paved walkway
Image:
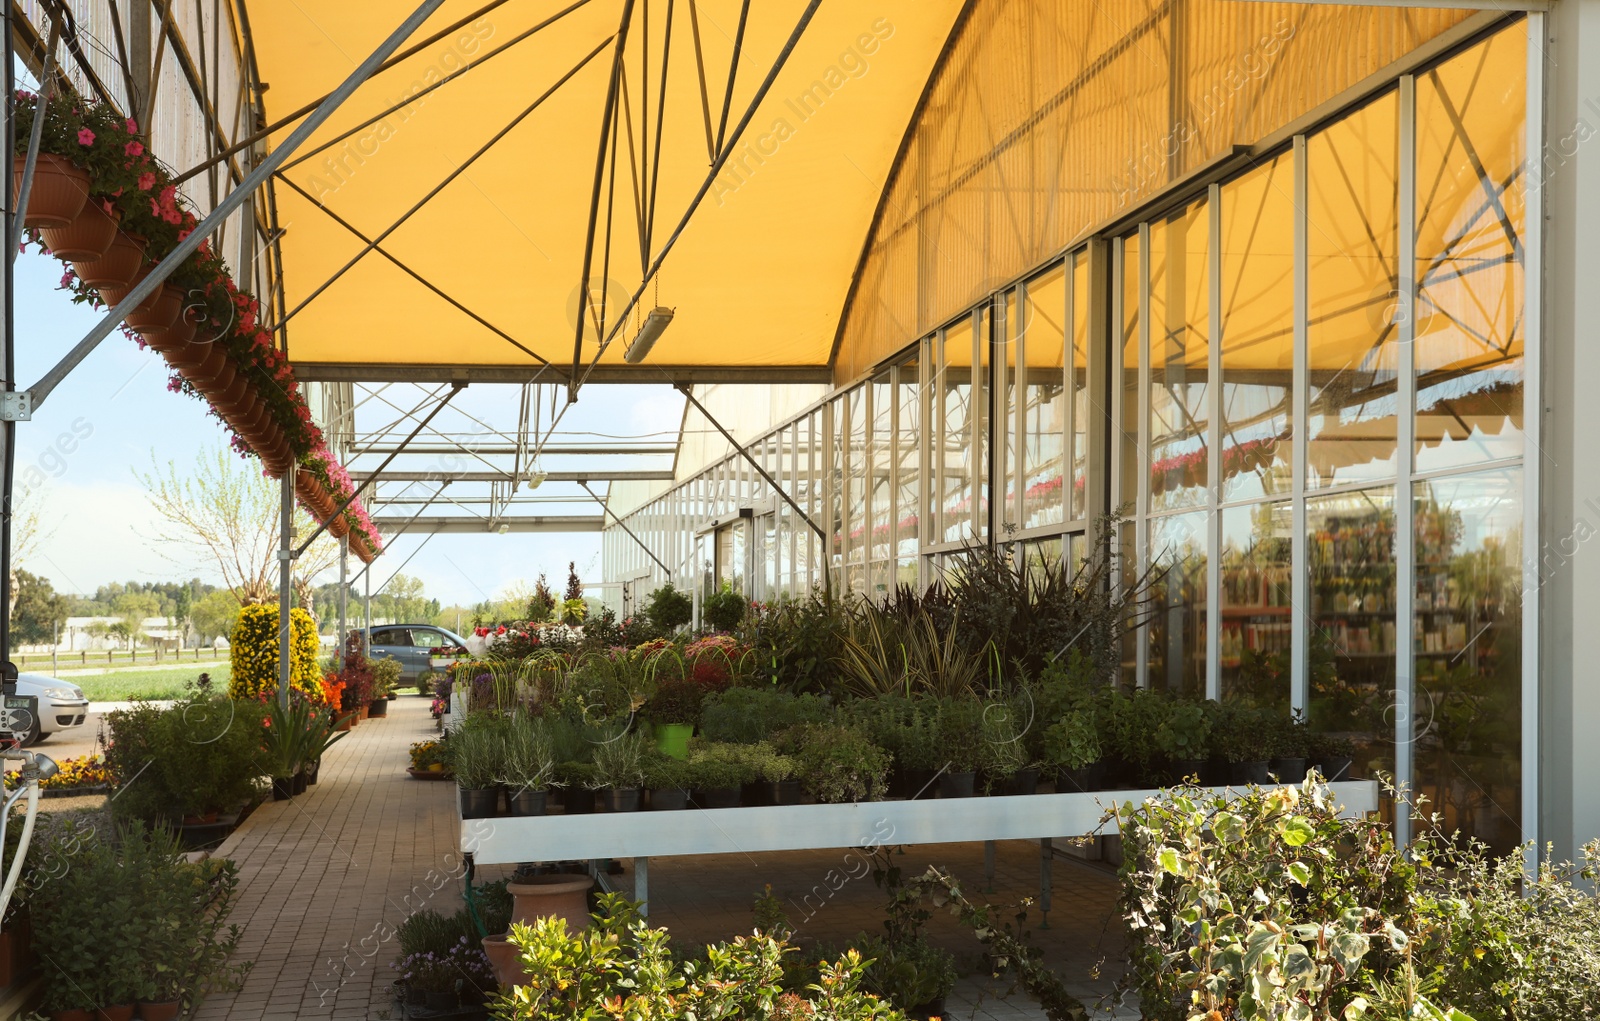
[(327, 876)]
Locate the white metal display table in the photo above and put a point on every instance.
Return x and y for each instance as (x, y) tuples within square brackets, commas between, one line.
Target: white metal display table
[(643, 835)]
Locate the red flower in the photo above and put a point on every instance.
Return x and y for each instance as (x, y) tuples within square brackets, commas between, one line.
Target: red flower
[(85, 136), (147, 180), (133, 148)]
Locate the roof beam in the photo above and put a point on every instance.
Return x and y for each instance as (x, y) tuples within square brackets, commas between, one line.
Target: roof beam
[(506, 450), (359, 372), (596, 476), (457, 525)]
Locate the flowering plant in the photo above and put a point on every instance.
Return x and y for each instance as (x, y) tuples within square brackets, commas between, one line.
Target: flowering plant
[(254, 653), (434, 972), (80, 771), (425, 754), (715, 660)]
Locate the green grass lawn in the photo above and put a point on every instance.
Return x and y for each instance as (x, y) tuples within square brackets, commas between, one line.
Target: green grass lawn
[(122, 685)]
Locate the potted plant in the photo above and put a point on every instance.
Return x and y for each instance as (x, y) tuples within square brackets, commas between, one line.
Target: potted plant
[(1072, 746), (427, 761), (320, 736), (918, 749), (1183, 738), (837, 764), (673, 710), (285, 744), (716, 780), (776, 773), (912, 974), (1332, 754), (1291, 747), (577, 781), (527, 767), (1002, 753), (668, 781), (619, 769), (1245, 740), (476, 753), (385, 676), (960, 743)]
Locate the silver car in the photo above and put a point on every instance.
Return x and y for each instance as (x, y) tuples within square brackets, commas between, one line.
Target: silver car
[(62, 705)]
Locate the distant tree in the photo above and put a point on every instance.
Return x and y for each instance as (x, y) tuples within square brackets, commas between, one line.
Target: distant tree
[(542, 606), (406, 597), (574, 586), (39, 610), (214, 614), (226, 509)]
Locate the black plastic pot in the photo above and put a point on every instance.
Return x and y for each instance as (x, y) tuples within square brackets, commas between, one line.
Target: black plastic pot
[(479, 803), (282, 788), (311, 774), (1250, 772), (784, 792), (754, 794), (919, 783), (1084, 778), (1216, 772), (578, 801), (1336, 767), (1181, 769), (299, 783), (621, 799), (527, 802), (378, 707), (669, 800), (1023, 781), (958, 785), (441, 1001), (721, 797), (1288, 770), (933, 1008)]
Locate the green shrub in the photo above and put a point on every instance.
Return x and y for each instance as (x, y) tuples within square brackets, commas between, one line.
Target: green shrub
[(723, 609), (476, 751), (202, 754), (1185, 732), (669, 609), (836, 764), (748, 715), (909, 974), (1072, 742)]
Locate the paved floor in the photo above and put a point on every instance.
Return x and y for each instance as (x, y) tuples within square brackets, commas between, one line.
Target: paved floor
[(326, 878)]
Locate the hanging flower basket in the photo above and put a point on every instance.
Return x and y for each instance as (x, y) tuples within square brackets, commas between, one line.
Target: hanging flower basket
[(87, 237), (113, 296), (115, 267), (58, 194), (358, 546), (159, 317)]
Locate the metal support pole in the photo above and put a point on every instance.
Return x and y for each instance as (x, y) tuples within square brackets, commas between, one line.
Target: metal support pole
[(344, 592), (286, 556), (366, 613), (8, 428), (625, 528), (641, 885), (1046, 853), (47, 83), (988, 866), (159, 273)]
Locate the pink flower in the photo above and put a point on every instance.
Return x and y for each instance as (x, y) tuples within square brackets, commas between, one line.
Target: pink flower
[(85, 136), (133, 129), (147, 180), (133, 148)]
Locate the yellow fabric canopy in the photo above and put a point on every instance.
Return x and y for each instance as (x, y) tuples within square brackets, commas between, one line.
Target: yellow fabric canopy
[(759, 276)]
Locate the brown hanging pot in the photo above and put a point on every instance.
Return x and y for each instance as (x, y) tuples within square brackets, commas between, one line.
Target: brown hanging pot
[(113, 296), (59, 192), (86, 238), (116, 265), (160, 317), (213, 363)]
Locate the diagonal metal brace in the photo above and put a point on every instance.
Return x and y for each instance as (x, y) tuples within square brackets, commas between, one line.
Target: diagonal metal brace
[(603, 506), (455, 388)]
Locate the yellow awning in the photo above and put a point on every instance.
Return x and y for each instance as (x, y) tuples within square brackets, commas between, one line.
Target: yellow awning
[(759, 275)]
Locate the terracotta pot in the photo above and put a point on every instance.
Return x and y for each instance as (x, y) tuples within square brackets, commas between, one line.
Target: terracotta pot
[(120, 1012), (213, 362), (358, 546), (71, 1015), (161, 315), (59, 192), (176, 337), (86, 238), (224, 377), (545, 896), (115, 267), (165, 1011), (504, 961), (338, 527), (113, 296)]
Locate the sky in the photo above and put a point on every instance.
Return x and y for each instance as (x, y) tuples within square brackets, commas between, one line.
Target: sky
[(76, 461)]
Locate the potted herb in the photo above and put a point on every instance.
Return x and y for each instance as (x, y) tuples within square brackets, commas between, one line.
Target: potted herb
[(1002, 753), (1184, 738), (527, 768), (1291, 747), (668, 781), (1333, 755), (619, 771), (477, 754), (716, 779), (912, 974), (960, 741), (577, 780), (385, 676), (837, 764), (1072, 746), (776, 775), (1245, 740), (918, 747), (673, 710), (1130, 723)]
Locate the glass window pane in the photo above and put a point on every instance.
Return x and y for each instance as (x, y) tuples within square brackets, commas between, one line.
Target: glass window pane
[(1177, 629), (1006, 452), (1353, 323), (855, 485), (1257, 267), (908, 437), (1256, 611), (880, 483), (1044, 396), (1468, 651), (1081, 401), (1129, 440), (955, 443), (1352, 667), (1179, 332), (1470, 114)]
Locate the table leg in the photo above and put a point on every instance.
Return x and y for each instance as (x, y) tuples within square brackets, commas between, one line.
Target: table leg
[(1046, 853), (641, 885), (988, 866)]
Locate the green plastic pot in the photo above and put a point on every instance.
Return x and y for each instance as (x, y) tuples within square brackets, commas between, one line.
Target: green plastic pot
[(673, 739)]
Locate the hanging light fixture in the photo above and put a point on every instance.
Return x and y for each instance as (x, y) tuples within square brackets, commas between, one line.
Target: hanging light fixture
[(655, 324)]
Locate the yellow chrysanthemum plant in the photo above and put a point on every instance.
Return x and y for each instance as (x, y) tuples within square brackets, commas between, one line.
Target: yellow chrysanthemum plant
[(254, 653)]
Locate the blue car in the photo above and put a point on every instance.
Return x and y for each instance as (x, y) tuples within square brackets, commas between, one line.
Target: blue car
[(413, 645)]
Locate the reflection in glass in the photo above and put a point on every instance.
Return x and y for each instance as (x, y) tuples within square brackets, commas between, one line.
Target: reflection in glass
[(955, 423), (1352, 641), (1467, 643), (880, 468), (1257, 625), (1353, 286), (1177, 629), (1128, 441), (1078, 373), (854, 440), (1257, 276), (1179, 363), (1007, 451), (1044, 408), (1470, 151)]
